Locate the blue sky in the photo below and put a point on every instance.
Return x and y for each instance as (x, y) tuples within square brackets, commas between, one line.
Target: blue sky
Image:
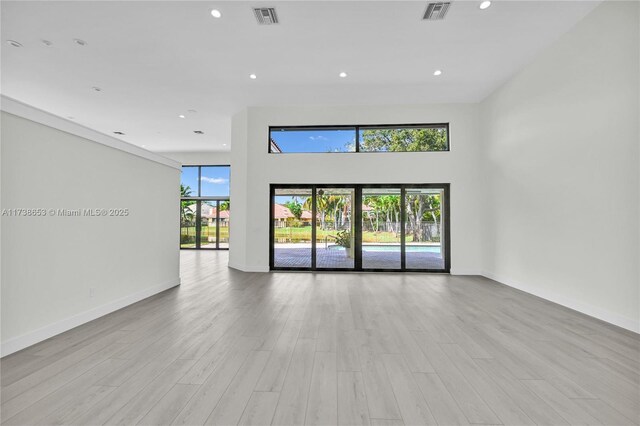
[(214, 180), (284, 199), (314, 140)]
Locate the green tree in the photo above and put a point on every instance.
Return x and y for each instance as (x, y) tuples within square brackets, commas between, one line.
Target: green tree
[(295, 208), (337, 205), (416, 139), (187, 214), (321, 207), (419, 207), (185, 191), (391, 207)]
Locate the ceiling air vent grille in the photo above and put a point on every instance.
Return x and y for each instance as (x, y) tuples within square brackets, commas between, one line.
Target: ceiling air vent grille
[(266, 15), (436, 10)]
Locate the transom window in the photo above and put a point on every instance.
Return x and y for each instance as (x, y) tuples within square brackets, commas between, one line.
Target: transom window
[(383, 138), (205, 181)]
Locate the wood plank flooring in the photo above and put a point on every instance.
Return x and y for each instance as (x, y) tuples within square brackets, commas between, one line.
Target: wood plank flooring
[(230, 348)]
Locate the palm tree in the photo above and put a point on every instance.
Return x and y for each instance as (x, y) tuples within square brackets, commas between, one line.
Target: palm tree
[(185, 191), (186, 213), (337, 204), (374, 202), (390, 206), (321, 207)]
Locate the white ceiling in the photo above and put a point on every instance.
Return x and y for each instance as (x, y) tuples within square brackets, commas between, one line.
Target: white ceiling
[(154, 60)]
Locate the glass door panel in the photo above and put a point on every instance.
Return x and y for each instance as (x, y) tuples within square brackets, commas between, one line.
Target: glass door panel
[(292, 225), (424, 215), (188, 224), (335, 233), (224, 210), (381, 228), (207, 224)]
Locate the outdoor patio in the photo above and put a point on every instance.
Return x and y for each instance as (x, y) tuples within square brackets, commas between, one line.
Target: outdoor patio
[(330, 258)]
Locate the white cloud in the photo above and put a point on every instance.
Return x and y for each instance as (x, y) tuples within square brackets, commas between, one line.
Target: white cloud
[(318, 138), (215, 181)]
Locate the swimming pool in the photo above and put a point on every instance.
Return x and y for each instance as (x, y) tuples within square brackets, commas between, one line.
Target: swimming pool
[(393, 248)]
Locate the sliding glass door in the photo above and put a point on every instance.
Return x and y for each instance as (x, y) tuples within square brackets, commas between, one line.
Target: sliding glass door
[(208, 227), (360, 227), (335, 229), (423, 228), (204, 224), (381, 228), (222, 223), (291, 227)]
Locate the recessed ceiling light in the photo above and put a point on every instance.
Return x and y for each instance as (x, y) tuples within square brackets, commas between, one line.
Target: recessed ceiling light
[(80, 42), (14, 43), (118, 133), (96, 89), (216, 13), (144, 146), (224, 144), (46, 42), (253, 76), (437, 72), (343, 74), (181, 116), (485, 4)]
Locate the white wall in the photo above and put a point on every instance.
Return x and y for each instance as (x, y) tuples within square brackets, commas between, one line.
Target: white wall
[(59, 272), (239, 191), (199, 158), (561, 166), (253, 169)]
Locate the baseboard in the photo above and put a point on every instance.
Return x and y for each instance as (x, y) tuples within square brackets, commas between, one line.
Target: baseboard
[(457, 271), (20, 342), (246, 268), (584, 308), (254, 268)]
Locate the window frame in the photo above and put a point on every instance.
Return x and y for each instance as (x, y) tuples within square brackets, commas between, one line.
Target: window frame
[(357, 128), (206, 197), (357, 217), (218, 199)]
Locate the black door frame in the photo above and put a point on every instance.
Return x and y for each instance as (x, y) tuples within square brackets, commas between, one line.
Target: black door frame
[(357, 217), (199, 201)]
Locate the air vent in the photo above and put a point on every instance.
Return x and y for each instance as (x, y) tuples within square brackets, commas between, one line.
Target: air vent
[(436, 11), (266, 15), (198, 132)]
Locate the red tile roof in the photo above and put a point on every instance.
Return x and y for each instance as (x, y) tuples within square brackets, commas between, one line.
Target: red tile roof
[(224, 214), (283, 212)]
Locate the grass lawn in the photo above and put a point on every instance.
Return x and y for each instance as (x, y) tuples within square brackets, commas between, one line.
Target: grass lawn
[(291, 234), (205, 232), (294, 235)]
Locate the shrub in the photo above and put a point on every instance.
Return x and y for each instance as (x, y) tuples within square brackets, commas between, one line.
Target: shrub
[(343, 238), (187, 239)]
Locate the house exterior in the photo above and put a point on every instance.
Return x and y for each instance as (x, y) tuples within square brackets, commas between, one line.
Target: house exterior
[(208, 214), (283, 216)]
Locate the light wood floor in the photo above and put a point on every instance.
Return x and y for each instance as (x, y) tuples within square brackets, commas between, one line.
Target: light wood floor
[(296, 348)]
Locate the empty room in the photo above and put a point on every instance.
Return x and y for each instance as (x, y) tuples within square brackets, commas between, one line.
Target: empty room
[(309, 212)]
